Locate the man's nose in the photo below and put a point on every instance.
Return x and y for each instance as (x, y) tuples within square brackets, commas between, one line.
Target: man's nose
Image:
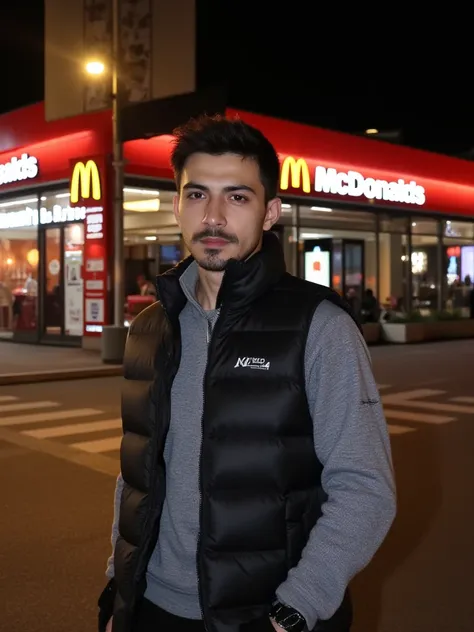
[(215, 213)]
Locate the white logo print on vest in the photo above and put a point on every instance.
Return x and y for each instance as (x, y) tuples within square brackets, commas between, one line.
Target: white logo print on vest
[(253, 363)]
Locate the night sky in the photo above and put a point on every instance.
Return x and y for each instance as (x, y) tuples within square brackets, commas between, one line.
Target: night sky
[(392, 70)]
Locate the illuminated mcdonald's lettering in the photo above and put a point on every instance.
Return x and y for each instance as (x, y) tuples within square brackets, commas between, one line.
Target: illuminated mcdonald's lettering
[(86, 181), (296, 172)]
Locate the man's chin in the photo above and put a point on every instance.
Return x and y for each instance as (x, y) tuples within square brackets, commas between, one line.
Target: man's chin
[(212, 264), (213, 260)]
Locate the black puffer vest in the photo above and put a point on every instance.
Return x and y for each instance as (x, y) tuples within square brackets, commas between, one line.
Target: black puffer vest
[(260, 479)]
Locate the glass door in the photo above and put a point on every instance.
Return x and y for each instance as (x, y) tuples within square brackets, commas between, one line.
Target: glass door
[(62, 300), (53, 305)]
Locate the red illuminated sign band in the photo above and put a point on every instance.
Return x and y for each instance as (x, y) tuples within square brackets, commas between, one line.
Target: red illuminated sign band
[(296, 174)]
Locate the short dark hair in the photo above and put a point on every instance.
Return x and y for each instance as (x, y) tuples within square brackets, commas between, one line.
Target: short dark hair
[(218, 135)]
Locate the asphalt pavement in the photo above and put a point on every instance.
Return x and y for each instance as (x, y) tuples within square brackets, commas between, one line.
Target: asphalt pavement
[(25, 364), (59, 459), (54, 530)]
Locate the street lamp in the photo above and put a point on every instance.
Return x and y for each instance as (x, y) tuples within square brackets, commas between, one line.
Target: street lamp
[(113, 337), (95, 67)]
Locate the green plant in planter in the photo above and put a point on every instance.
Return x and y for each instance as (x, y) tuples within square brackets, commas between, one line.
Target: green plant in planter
[(436, 316), (410, 317), (444, 315)]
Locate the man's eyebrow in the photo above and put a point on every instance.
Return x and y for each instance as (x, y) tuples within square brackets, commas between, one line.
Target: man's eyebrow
[(239, 187), (195, 185), (228, 189)]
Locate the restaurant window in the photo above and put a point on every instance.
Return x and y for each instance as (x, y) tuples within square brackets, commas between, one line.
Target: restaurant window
[(394, 272), (152, 243), (338, 248), (458, 265), (19, 260), (425, 264)]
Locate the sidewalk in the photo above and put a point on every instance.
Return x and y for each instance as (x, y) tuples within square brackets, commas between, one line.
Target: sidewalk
[(23, 364)]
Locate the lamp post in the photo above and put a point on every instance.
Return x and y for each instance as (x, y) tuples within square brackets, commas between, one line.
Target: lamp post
[(119, 291), (114, 336)]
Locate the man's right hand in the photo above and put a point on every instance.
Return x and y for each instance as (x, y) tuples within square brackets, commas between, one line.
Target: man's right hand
[(109, 625)]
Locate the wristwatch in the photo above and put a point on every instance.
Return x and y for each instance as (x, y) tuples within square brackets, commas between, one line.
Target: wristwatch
[(288, 618)]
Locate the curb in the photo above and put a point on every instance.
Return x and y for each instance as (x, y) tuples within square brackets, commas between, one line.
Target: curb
[(57, 375)]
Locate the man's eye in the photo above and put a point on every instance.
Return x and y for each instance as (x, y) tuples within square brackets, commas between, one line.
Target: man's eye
[(195, 195), (238, 198)]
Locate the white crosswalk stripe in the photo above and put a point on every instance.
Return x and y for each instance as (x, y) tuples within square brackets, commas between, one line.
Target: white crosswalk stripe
[(442, 408), (393, 429), (11, 408), (408, 396), (411, 410), (74, 429), (411, 400), (408, 399), (49, 415), (100, 445), (18, 420), (462, 400), (403, 415)]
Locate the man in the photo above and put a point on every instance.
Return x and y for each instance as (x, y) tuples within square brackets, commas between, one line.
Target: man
[(145, 287), (256, 475)]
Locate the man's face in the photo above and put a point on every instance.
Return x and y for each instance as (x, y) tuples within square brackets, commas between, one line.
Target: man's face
[(221, 209)]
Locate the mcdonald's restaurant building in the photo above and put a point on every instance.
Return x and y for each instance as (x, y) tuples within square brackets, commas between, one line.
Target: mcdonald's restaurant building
[(358, 214)]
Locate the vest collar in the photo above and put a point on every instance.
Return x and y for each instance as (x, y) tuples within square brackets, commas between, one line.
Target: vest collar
[(243, 283)]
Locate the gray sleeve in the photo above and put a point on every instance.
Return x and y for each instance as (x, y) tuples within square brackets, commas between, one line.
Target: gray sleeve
[(115, 530), (352, 443)]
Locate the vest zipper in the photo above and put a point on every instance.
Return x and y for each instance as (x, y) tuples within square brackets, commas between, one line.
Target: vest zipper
[(209, 334)]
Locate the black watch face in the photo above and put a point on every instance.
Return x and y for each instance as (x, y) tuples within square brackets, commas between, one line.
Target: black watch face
[(289, 619)]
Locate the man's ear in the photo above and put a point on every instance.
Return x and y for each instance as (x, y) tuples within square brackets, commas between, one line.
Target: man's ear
[(272, 214)]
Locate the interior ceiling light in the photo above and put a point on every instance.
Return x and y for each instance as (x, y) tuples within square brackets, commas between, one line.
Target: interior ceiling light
[(143, 206), (140, 191)]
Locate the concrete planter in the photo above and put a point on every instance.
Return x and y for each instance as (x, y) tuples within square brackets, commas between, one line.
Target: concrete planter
[(406, 333), (372, 333)]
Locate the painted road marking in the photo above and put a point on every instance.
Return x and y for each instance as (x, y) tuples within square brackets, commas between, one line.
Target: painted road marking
[(74, 429), (393, 429), (462, 400), (36, 418), (11, 408), (101, 445), (409, 396), (424, 418)]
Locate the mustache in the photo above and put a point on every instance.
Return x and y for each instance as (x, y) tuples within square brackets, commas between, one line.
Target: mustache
[(217, 233)]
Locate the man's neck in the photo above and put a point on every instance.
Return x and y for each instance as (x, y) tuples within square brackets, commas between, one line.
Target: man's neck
[(207, 288)]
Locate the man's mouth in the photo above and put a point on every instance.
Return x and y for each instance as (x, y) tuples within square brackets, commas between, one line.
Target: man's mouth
[(214, 242)]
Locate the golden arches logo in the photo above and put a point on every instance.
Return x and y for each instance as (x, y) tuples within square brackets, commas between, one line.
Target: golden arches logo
[(85, 182), (295, 171)]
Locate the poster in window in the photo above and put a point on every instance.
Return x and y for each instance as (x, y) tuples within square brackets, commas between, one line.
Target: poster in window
[(73, 298), (317, 267)]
